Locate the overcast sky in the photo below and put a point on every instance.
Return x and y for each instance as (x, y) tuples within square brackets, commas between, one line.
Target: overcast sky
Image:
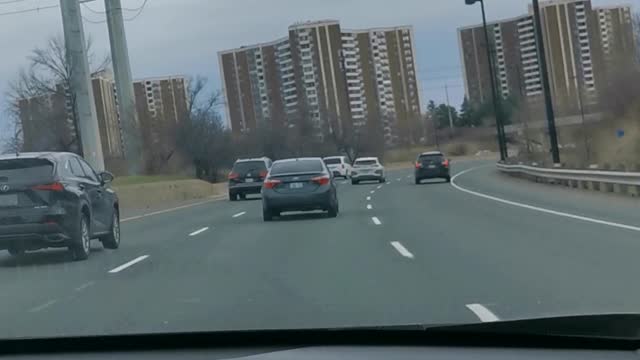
[(171, 37)]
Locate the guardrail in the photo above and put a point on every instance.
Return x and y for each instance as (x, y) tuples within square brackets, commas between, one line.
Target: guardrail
[(591, 179)]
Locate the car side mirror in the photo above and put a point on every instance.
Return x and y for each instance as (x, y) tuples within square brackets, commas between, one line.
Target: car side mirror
[(106, 177)]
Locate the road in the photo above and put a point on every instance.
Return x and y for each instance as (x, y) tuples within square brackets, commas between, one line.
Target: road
[(484, 248)]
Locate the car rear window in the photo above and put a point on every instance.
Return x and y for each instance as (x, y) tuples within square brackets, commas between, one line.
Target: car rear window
[(366, 163), (333, 161), (246, 166), (434, 157), (25, 169), (299, 166)]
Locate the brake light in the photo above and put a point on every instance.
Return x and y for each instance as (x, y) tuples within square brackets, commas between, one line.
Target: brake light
[(321, 180), (57, 187), (418, 165), (271, 183), (233, 176), (263, 174), (445, 163)]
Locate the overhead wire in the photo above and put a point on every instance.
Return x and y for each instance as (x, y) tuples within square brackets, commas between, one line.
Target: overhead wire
[(24, 11)]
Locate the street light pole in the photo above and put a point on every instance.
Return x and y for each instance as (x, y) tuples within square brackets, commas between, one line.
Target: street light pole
[(502, 144), (553, 135)]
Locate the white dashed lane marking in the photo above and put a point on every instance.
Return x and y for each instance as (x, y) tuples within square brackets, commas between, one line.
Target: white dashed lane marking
[(43, 306), (200, 231), (239, 214), (402, 250), (369, 207), (130, 263), (484, 314), (376, 221)]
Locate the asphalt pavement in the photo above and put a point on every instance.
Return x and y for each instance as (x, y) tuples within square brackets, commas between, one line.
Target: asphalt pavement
[(486, 247)]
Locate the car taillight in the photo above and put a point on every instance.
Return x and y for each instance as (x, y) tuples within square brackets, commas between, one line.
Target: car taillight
[(321, 180), (57, 187), (418, 165), (445, 163), (263, 174), (233, 176), (271, 183)]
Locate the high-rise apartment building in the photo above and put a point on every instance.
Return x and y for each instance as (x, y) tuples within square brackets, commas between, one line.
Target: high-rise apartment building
[(337, 80), (578, 41), (48, 122)]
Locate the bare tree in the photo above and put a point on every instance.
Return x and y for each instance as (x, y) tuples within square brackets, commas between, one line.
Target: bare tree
[(43, 87)]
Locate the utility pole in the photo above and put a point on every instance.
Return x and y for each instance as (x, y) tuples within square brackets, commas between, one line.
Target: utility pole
[(80, 79), (124, 86), (553, 135), (446, 91)]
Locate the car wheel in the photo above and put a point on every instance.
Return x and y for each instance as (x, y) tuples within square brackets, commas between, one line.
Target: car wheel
[(448, 179), (267, 215), (112, 241), (381, 181), (81, 240), (233, 196), (354, 182), (243, 196), (333, 211), (16, 250), (418, 181)]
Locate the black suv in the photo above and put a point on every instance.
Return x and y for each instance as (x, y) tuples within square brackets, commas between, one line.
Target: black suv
[(432, 165), (247, 177), (54, 200)]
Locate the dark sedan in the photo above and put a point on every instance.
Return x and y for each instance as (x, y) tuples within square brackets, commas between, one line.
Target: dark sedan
[(304, 184), (432, 165), (52, 200)]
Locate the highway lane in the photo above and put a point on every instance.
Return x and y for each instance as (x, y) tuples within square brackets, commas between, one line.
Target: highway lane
[(397, 254)]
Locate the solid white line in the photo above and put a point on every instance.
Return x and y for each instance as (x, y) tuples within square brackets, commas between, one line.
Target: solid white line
[(85, 285), (484, 314), (43, 306), (126, 265), (368, 198), (239, 214), (376, 221), (539, 209), (216, 198), (402, 250), (369, 207), (199, 231)]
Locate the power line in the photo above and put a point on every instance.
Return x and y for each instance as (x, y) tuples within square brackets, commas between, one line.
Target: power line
[(93, 11), (94, 21), (29, 10), (10, 2), (140, 10)]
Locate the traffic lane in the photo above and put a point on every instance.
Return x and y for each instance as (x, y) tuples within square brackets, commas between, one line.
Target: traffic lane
[(609, 207), (299, 272), (51, 278), (517, 262)]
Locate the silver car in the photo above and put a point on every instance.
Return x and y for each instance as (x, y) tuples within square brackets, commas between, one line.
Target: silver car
[(367, 169)]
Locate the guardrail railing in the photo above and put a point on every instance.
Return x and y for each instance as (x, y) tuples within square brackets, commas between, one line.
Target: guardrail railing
[(591, 179)]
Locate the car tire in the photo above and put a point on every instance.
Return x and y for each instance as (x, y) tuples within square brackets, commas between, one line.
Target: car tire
[(267, 215), (81, 240), (112, 241), (354, 182), (448, 179), (243, 196), (233, 196), (16, 250), (418, 181), (382, 181), (333, 210)]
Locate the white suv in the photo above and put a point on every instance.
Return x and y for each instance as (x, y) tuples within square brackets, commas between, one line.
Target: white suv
[(367, 169), (339, 166)]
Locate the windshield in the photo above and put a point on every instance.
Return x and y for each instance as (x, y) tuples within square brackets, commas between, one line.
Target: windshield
[(201, 169), (333, 161), (365, 163), (299, 166)]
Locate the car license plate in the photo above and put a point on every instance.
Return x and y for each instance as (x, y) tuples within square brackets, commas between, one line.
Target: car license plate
[(432, 166), (296, 185), (8, 200), (249, 180)]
